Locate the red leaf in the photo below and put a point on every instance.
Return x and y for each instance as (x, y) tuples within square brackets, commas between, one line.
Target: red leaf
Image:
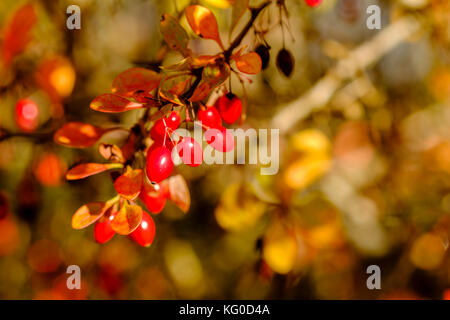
[(179, 192), (249, 63), (203, 23), (85, 170), (78, 135), (113, 103), (129, 184), (16, 34), (132, 80), (127, 219)]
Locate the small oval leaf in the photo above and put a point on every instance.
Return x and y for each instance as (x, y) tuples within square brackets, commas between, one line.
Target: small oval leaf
[(132, 80), (17, 33), (203, 23), (88, 214), (174, 34), (113, 103), (249, 63), (89, 169), (127, 219), (212, 77), (129, 184), (179, 192), (78, 135)]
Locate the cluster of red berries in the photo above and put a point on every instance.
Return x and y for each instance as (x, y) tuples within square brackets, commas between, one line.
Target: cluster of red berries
[(159, 156), (159, 163)]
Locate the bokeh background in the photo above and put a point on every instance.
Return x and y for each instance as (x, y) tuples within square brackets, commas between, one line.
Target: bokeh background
[(364, 160)]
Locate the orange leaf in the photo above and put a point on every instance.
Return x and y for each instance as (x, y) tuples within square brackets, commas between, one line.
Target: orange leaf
[(127, 219), (179, 88), (16, 34), (179, 192), (212, 77), (249, 63), (132, 80), (174, 34), (78, 135), (129, 184), (88, 214), (171, 86), (113, 103), (203, 23), (89, 169)]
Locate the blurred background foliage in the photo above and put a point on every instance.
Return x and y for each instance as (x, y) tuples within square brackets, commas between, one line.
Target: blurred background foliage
[(364, 179)]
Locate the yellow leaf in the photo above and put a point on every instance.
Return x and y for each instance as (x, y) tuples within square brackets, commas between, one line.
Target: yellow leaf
[(237, 211), (280, 249), (304, 172), (311, 141)]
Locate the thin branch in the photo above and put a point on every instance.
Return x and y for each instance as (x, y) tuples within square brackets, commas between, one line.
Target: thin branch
[(236, 42)]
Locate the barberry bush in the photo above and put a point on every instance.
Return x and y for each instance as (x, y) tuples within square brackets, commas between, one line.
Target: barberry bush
[(95, 170)]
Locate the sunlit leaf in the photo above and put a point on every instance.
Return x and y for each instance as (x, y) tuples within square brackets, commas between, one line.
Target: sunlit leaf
[(113, 103), (174, 34), (179, 192), (212, 77), (238, 209), (249, 63), (85, 170), (17, 33), (182, 65), (311, 141), (127, 219), (239, 8), (88, 214), (204, 60), (280, 249), (203, 23), (129, 184), (132, 80), (78, 135), (222, 4), (307, 170), (171, 87)]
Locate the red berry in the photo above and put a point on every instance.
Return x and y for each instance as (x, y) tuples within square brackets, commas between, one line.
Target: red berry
[(145, 233), (159, 164), (313, 3), (154, 199), (220, 139), (103, 231), (210, 117), (230, 108), (27, 115), (190, 151), (159, 129)]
